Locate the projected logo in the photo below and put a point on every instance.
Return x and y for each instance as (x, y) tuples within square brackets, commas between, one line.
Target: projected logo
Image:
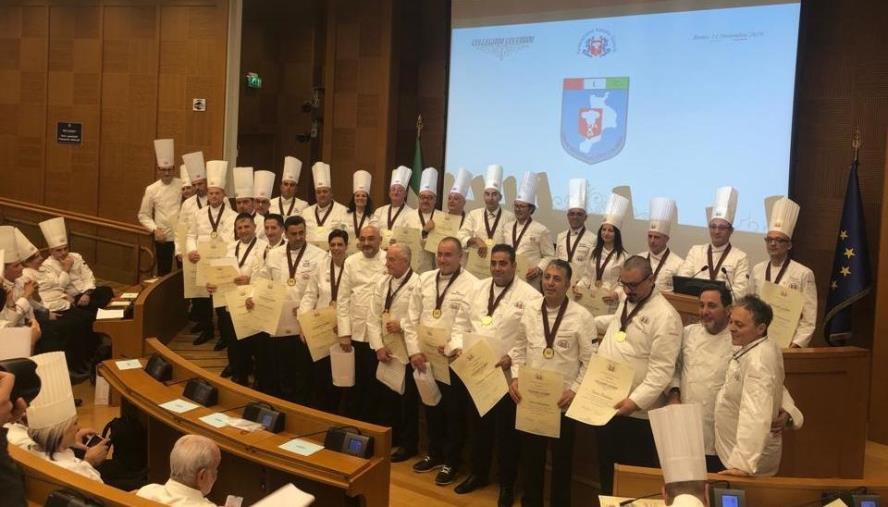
[(593, 117), (597, 43)]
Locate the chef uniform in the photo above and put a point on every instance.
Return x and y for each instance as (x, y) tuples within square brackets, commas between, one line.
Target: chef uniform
[(293, 206), (245, 188), (435, 303), (531, 239), (18, 309), (360, 274), (666, 263), (790, 274), (460, 187), (499, 326), (263, 184), (575, 246), (647, 336), (174, 493), (355, 221), (482, 223), (746, 404), (386, 218), (319, 222), (725, 262), (197, 171), (160, 207), (678, 434), (568, 354), (604, 271), (417, 219)]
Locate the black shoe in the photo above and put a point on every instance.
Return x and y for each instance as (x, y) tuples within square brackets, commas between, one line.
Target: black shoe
[(471, 483), (220, 345), (402, 454), (226, 372), (196, 328), (446, 476), (506, 497), (427, 465), (204, 337)]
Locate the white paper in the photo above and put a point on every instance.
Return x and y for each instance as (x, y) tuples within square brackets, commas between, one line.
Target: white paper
[(342, 366), (287, 496), (128, 364), (392, 374), (103, 391), (616, 501), (15, 342), (179, 406), (427, 387), (104, 314), (216, 420), (129, 295), (301, 447), (119, 304)]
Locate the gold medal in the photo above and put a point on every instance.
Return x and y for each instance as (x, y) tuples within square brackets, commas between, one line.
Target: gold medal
[(487, 320), (214, 235), (291, 282), (489, 242), (548, 352), (436, 313), (598, 283), (620, 336)]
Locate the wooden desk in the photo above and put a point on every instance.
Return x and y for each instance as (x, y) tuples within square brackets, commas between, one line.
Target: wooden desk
[(253, 465), (634, 482), (158, 311), (688, 306), (43, 477)]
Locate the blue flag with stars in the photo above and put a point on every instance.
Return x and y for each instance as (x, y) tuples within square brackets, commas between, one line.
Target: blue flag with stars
[(850, 277)]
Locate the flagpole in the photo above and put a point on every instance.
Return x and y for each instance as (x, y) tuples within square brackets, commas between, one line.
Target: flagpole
[(419, 126), (855, 143)]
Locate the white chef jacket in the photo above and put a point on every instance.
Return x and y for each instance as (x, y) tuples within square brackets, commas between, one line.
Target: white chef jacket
[(82, 277), (186, 215), (20, 311), (350, 222), (355, 291), (611, 277), (746, 405), (736, 264), (319, 291), (175, 494), (287, 207), (337, 219), (67, 460), (200, 228), (277, 269), (572, 343), (426, 259), (474, 226), (399, 306), (422, 304), (670, 267), (17, 435), (653, 339), (582, 252), (55, 283), (248, 263), (686, 501), (536, 244), (380, 220), (797, 277), (259, 221), (160, 207), (506, 317)]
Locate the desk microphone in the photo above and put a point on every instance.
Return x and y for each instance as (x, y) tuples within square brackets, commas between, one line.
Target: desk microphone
[(632, 500), (704, 268), (728, 280), (172, 383)]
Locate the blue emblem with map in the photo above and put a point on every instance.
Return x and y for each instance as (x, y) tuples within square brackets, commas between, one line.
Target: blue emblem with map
[(594, 111)]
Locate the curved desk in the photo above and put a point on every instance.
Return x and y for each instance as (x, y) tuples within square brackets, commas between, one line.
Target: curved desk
[(253, 465)]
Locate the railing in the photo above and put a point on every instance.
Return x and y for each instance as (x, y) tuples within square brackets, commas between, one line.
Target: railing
[(20, 213)]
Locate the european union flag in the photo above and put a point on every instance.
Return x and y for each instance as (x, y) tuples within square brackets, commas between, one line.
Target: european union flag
[(850, 277)]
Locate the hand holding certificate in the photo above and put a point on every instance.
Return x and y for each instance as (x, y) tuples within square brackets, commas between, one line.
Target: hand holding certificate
[(208, 250), (538, 411), (787, 305), (241, 318), (593, 299), (317, 329), (445, 225), (486, 382), (394, 341), (606, 383), (430, 339), (268, 302)]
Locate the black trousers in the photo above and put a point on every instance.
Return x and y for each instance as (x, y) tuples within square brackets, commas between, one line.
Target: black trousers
[(363, 397), (11, 479), (533, 460), (98, 298), (624, 440), (326, 395), (241, 353), (202, 312), (401, 412), (164, 252), (81, 343), (290, 369), (497, 426), (714, 464), (446, 422)]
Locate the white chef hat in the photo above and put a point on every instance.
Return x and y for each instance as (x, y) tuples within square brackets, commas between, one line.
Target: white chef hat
[(401, 176), (678, 434), (429, 181), (55, 403), (163, 152), (8, 243), (576, 193), (461, 182), (194, 162), (615, 211), (243, 183), (528, 188), (183, 175), (361, 180), (292, 169), (662, 215), (784, 215), (216, 171), (263, 184), (54, 232), (493, 179), (26, 249), (725, 204), (321, 174)]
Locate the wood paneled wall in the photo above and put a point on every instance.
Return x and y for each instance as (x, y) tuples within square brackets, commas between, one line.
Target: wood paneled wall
[(126, 70)]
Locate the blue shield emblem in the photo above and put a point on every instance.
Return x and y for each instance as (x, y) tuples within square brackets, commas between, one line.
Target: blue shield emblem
[(593, 117)]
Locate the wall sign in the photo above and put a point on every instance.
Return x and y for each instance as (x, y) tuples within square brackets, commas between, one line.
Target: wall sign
[(69, 133)]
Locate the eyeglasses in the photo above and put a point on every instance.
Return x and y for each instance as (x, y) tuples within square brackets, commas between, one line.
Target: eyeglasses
[(718, 227), (633, 286), (776, 240)]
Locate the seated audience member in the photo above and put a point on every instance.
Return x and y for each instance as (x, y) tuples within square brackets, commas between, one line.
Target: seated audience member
[(678, 434), (194, 466)]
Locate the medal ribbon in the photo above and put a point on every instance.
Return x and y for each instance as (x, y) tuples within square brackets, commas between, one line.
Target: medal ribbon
[(290, 264), (199, 205), (493, 303), (550, 333), (571, 251), (391, 221), (491, 230), (742, 352), (516, 238), (318, 217), (334, 280), (661, 264), (779, 273), (281, 206), (390, 296), (599, 267), (626, 319), (423, 221), (439, 296), (358, 226), (713, 272), (241, 261), (215, 224)]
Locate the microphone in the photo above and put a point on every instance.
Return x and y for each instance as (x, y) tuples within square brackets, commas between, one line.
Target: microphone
[(728, 280), (704, 268), (632, 500)]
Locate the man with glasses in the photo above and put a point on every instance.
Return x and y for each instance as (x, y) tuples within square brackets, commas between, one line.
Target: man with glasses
[(719, 260), (645, 333), (785, 272)]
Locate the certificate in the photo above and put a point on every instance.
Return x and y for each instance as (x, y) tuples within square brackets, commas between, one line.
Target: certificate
[(445, 225), (412, 238), (522, 264), (592, 299), (485, 381), (477, 265), (606, 383), (221, 272), (538, 411), (392, 374), (268, 301), (241, 318), (394, 341), (288, 323), (435, 336), (787, 306), (430, 338), (189, 281), (318, 330), (208, 249)]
